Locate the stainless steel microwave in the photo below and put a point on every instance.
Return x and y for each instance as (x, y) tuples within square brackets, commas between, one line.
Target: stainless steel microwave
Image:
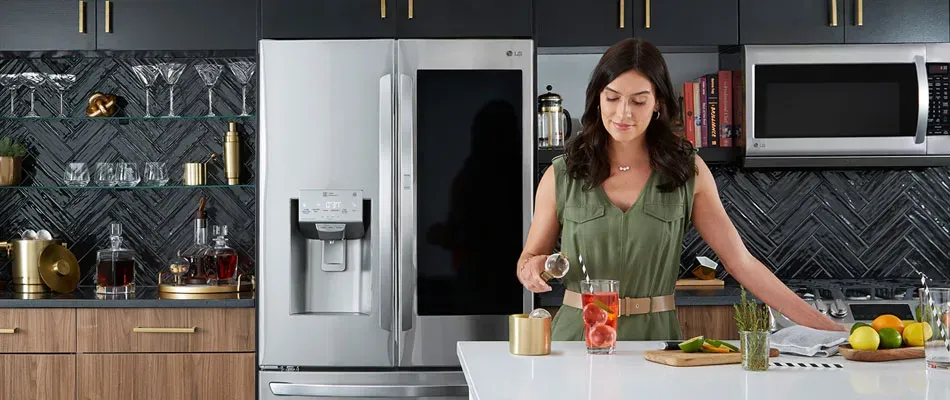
[(847, 105)]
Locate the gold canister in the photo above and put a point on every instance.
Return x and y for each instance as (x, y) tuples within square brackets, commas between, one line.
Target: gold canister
[(196, 173), (232, 155), (529, 336)]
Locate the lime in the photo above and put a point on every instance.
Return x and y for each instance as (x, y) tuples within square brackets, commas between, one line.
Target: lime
[(858, 325), (693, 345), (864, 338), (890, 338), (719, 343)]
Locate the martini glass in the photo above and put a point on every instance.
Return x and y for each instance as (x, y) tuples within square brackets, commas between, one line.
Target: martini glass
[(12, 83), (148, 74), (171, 72), (209, 73), (61, 82), (243, 71), (32, 80)]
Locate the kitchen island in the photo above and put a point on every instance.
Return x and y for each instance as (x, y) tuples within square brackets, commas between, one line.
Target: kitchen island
[(569, 372)]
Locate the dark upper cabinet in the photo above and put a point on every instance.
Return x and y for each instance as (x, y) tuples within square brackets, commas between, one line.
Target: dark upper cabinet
[(582, 22), (791, 22), (176, 24), (686, 22), (464, 18), (889, 21), (329, 19), (47, 25)]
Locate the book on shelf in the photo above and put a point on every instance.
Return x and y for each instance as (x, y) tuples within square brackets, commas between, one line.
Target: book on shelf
[(713, 113)]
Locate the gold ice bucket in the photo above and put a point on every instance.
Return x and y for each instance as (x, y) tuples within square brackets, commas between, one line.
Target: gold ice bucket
[(529, 336), (40, 265)]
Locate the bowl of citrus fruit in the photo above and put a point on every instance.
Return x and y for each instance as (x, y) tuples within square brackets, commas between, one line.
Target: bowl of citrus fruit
[(886, 338)]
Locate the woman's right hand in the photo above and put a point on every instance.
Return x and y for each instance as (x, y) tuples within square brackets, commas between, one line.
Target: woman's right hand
[(530, 274)]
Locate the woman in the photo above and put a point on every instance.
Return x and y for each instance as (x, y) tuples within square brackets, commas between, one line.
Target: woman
[(623, 196)]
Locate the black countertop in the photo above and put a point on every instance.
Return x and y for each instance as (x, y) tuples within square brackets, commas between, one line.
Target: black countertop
[(144, 297)]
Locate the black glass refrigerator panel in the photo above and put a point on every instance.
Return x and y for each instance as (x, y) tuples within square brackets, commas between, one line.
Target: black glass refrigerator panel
[(469, 185), (835, 101)]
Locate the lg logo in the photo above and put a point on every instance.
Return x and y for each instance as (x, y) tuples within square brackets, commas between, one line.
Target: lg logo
[(510, 53)]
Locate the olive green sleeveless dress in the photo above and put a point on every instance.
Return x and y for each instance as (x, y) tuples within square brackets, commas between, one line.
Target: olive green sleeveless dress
[(641, 248)]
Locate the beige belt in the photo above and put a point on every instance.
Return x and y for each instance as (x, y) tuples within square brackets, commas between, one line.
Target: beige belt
[(630, 305)]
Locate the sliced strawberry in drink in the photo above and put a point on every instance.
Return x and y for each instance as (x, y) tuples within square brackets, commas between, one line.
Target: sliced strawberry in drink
[(594, 315), (602, 336)]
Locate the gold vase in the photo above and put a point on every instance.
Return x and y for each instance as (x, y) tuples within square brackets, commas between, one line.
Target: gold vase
[(10, 168)]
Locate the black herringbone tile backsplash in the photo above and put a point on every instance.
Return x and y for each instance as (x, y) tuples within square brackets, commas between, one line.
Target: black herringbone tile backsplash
[(156, 222), (838, 224)]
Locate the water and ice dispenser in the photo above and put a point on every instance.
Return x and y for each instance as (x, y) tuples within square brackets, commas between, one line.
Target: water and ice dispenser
[(328, 244)]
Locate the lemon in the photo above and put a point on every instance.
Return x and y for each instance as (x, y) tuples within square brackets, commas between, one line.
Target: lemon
[(693, 345), (864, 338), (858, 325), (917, 333), (890, 338)]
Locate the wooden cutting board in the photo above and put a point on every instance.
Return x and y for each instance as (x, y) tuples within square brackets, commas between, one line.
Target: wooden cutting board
[(902, 353), (677, 358), (689, 283)]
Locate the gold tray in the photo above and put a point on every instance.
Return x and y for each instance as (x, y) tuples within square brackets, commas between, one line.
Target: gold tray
[(242, 285)]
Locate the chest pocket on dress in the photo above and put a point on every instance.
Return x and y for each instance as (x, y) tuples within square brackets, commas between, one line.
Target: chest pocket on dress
[(667, 212), (580, 215)]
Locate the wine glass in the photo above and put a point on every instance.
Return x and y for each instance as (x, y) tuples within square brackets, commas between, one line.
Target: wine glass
[(147, 74), (171, 72), (12, 83), (32, 80), (209, 73), (61, 82), (243, 71)]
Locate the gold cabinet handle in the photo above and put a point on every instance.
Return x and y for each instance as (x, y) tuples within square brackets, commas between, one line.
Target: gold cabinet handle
[(834, 13), (82, 17), (412, 6), (140, 329), (8, 331), (860, 21), (646, 13), (622, 4), (382, 9), (108, 16)]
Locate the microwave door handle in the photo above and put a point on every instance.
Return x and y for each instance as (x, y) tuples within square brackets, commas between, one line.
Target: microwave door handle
[(386, 265), (923, 99), (364, 391), (407, 236)]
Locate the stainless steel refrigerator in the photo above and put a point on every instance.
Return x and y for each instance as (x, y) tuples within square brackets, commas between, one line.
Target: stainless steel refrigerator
[(396, 187)]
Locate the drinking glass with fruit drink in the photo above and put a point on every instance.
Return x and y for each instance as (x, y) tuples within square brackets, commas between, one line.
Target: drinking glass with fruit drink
[(601, 306)]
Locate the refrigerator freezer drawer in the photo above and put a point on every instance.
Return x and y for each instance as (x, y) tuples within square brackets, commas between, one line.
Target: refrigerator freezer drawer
[(359, 385)]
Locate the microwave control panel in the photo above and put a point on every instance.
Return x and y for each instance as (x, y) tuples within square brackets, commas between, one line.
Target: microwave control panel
[(938, 78)]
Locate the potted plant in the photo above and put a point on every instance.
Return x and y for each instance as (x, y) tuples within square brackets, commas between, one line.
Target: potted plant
[(752, 319), (11, 161)]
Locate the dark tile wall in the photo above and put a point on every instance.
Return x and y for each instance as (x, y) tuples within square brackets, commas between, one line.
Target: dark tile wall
[(156, 222), (838, 224)]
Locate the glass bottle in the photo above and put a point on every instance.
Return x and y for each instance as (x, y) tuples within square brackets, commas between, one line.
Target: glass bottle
[(115, 266), (197, 254), (225, 258)]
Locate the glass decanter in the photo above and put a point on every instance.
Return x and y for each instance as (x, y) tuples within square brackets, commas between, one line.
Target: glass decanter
[(115, 266), (224, 258), (197, 255)]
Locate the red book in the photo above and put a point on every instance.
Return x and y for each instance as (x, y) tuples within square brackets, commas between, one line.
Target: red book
[(689, 116)]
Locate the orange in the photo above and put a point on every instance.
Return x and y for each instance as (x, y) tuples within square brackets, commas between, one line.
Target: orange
[(888, 321)]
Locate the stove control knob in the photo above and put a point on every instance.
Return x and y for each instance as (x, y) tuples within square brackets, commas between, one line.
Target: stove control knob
[(821, 306), (839, 309)]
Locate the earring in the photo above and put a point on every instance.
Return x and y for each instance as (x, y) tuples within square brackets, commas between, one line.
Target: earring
[(657, 115)]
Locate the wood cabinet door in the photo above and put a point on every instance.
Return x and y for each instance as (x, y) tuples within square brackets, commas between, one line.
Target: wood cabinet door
[(437, 19), (176, 25), (686, 23), (905, 21), (713, 322), (791, 22), (230, 376), (598, 23), (38, 376), (47, 25), (165, 330), (37, 330), (328, 19)]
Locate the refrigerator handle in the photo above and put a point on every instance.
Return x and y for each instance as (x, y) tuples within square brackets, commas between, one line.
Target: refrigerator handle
[(387, 307), (407, 233), (364, 391)]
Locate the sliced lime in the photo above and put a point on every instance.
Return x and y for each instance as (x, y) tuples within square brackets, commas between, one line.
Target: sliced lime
[(693, 345)]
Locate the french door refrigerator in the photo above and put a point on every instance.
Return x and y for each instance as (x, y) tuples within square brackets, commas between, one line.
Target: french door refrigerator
[(395, 196)]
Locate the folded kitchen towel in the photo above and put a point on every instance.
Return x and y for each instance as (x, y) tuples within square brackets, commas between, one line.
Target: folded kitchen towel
[(809, 342)]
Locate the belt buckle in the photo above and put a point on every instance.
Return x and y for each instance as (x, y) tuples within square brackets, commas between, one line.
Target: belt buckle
[(633, 306)]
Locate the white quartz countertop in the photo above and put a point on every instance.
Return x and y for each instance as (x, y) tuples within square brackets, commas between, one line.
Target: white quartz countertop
[(569, 372)]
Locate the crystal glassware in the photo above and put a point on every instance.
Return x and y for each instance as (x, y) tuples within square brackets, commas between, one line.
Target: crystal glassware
[(601, 306), (224, 258), (106, 174), (197, 255), (155, 174), (32, 80), (61, 82), (209, 73), (147, 74), (754, 346), (934, 330), (127, 174), (243, 71), (115, 266), (12, 82), (171, 72), (77, 174)]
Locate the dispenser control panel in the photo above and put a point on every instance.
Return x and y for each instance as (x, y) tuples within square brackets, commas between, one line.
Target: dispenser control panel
[(334, 206)]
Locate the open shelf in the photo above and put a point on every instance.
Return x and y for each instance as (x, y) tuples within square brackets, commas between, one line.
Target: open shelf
[(139, 187), (140, 118)]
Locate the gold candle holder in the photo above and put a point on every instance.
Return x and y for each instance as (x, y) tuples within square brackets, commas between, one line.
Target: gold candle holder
[(529, 336)]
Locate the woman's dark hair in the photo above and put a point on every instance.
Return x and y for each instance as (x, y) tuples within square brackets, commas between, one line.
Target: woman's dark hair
[(670, 155)]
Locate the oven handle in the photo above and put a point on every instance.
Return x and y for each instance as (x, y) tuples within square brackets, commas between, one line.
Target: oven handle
[(923, 99), (363, 391)]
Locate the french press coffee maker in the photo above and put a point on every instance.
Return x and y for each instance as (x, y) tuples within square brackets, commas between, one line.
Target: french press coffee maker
[(554, 122)]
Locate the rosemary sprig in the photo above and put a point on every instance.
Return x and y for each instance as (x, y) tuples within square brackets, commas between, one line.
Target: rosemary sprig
[(751, 316)]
